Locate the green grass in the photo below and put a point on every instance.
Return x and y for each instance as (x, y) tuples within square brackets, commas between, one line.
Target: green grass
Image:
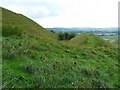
[(40, 64), (37, 60), (10, 18), (90, 40)]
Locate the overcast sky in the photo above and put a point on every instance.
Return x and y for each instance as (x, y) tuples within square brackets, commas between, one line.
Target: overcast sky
[(67, 13)]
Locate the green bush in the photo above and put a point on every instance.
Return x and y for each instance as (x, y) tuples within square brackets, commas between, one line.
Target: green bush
[(52, 31), (11, 30), (65, 36)]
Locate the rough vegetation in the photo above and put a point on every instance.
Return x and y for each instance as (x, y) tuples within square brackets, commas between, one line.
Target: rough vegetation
[(11, 30), (32, 60), (65, 36)]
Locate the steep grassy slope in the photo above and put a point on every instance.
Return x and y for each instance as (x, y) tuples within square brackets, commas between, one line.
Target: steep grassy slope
[(10, 18), (31, 62), (90, 40)]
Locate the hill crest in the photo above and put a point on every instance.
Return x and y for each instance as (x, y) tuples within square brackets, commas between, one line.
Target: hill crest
[(28, 25), (89, 39)]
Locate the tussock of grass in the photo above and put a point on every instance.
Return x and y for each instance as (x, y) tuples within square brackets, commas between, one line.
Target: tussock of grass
[(30, 68)]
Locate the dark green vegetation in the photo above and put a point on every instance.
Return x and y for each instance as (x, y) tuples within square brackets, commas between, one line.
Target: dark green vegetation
[(65, 36), (36, 59), (11, 30)]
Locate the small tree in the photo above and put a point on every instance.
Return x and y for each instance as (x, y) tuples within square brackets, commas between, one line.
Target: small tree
[(71, 35), (52, 31), (60, 36), (65, 36)]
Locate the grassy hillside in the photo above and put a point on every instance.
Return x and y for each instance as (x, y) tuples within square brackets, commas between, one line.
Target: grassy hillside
[(31, 63), (30, 60), (10, 18), (90, 40)]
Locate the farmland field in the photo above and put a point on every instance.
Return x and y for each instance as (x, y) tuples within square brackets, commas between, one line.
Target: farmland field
[(111, 38)]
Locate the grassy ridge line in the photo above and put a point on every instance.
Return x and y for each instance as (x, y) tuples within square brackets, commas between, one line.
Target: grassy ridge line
[(28, 25), (90, 40)]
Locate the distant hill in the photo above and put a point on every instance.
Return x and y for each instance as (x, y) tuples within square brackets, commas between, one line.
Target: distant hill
[(88, 40), (28, 25)]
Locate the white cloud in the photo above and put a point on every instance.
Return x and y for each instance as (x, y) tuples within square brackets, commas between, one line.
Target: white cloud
[(68, 13), (34, 9), (41, 12)]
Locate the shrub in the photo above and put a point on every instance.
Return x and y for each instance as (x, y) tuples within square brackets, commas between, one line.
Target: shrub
[(52, 31), (60, 36), (71, 35), (11, 30), (65, 36)]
